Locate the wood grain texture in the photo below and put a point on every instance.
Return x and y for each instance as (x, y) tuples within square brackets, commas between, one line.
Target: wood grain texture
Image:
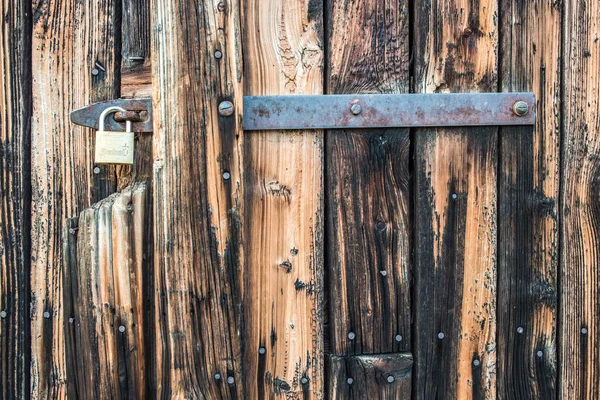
[(380, 376), (198, 259), (105, 331), (367, 181), (283, 221), (528, 204), (70, 39), (456, 44), (580, 212), (15, 196)]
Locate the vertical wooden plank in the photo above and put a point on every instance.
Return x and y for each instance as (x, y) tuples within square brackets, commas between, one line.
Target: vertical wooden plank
[(15, 196), (74, 64), (283, 186), (580, 257), (528, 204), (367, 176), (456, 44), (197, 199), (106, 326), (380, 376)]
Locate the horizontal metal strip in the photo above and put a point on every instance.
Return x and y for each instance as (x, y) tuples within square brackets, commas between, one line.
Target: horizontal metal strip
[(387, 110)]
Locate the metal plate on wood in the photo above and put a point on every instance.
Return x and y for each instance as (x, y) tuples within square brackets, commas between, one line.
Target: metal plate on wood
[(386, 110), (139, 111)]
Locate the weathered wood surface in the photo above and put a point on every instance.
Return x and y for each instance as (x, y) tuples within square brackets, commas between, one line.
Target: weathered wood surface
[(198, 270), (528, 204), (15, 196), (579, 326), (456, 46), (367, 184), (381, 376), (72, 40), (283, 200), (106, 263)]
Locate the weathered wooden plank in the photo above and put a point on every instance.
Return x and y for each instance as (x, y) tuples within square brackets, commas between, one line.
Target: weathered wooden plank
[(15, 196), (455, 207), (283, 221), (197, 199), (378, 376), (73, 65), (528, 204), (579, 327), (367, 181), (106, 321)]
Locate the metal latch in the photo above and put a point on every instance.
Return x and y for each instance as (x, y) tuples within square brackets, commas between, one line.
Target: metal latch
[(345, 111)]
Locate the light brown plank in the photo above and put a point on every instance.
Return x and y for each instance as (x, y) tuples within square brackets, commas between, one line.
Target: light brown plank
[(106, 328), (198, 256), (15, 196), (580, 256), (456, 47), (70, 40), (528, 204), (367, 181), (283, 222)]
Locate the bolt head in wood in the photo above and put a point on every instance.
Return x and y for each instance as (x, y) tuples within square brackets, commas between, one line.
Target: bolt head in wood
[(96, 170), (95, 71), (218, 54), (350, 381), (584, 331), (262, 350), (226, 108), (351, 335), (521, 108), (476, 363), (230, 380), (540, 353), (304, 380), (441, 335), (390, 378), (122, 329), (356, 109), (3, 314), (226, 175), (217, 376), (398, 338), (46, 314), (520, 330)]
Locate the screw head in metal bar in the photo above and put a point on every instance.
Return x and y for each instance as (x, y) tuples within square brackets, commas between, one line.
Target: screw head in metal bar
[(226, 108), (356, 109), (390, 378), (521, 108)]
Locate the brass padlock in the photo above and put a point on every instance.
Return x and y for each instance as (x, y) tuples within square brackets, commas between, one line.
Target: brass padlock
[(114, 147)]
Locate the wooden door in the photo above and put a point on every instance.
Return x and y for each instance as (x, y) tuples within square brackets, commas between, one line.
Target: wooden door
[(426, 263)]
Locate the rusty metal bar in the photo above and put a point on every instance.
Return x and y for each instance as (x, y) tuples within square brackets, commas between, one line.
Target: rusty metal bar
[(387, 110)]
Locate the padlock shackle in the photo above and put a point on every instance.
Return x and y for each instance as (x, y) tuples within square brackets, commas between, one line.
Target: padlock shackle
[(107, 112)]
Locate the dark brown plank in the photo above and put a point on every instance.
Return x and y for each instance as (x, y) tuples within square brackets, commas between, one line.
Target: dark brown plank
[(367, 181), (579, 320), (378, 376), (197, 211), (283, 207), (528, 204), (15, 197), (74, 64), (456, 43)]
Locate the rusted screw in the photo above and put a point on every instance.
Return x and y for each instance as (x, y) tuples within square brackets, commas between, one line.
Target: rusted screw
[(356, 109), (226, 108), (520, 108)]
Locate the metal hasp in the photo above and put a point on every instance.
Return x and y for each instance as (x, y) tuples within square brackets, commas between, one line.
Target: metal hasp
[(387, 110), (138, 111)]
